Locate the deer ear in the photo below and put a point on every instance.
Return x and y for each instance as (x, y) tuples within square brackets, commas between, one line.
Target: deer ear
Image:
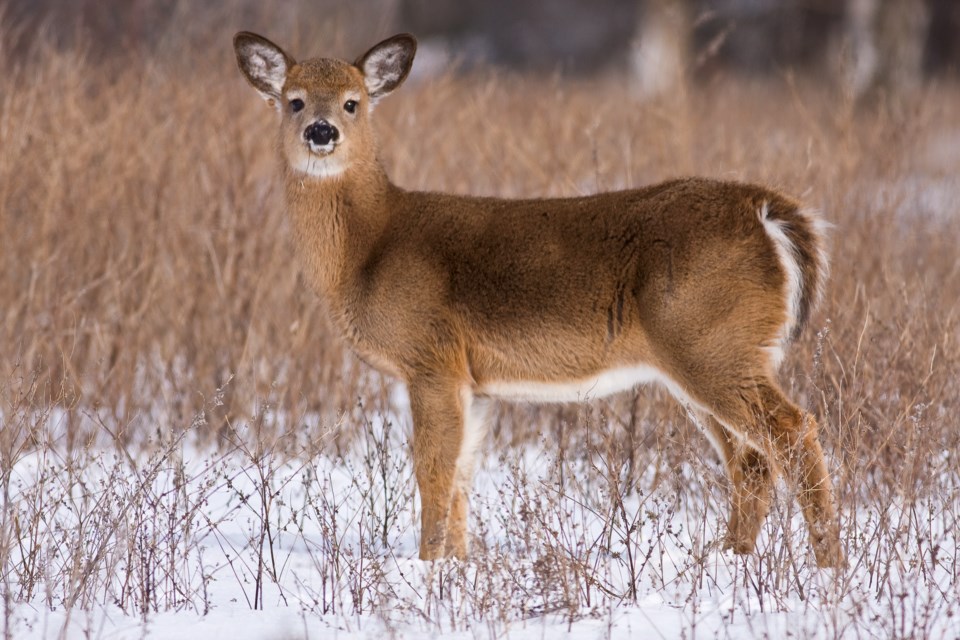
[(263, 64), (386, 65)]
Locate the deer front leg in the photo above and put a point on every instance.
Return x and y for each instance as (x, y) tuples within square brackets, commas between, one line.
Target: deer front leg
[(474, 430), (438, 433)]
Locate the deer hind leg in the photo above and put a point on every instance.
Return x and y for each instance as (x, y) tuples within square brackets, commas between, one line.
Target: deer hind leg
[(438, 433), (745, 399), (798, 451), (752, 477), (760, 412)]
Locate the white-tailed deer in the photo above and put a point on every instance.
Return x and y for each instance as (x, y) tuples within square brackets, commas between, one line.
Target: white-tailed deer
[(695, 283)]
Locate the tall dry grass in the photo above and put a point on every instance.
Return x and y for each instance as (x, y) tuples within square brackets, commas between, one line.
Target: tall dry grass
[(148, 286)]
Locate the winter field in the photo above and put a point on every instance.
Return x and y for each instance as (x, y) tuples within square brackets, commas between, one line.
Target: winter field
[(187, 451)]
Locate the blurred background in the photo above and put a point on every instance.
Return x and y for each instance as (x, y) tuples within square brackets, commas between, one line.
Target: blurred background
[(864, 46)]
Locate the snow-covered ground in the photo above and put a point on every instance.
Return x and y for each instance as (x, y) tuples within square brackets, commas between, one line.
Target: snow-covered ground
[(185, 543)]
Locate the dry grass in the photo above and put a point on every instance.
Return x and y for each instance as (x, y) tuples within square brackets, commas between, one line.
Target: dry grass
[(148, 287)]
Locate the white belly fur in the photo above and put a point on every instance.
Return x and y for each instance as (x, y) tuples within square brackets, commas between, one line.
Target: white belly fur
[(604, 384)]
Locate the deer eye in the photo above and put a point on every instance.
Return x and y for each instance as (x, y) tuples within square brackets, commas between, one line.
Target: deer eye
[(350, 106), (296, 104)]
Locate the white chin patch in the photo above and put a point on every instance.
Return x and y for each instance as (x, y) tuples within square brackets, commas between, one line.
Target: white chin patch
[(321, 163)]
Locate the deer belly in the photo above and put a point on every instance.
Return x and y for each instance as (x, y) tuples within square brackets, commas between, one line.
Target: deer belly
[(597, 386)]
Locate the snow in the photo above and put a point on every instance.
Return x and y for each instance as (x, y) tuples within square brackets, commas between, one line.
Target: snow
[(190, 543)]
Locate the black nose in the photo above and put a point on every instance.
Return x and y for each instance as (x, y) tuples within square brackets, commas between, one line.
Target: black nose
[(321, 133)]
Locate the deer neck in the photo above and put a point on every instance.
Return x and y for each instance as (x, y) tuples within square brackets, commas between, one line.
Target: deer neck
[(336, 220)]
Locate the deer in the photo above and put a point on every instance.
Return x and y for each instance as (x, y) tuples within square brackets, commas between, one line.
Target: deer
[(696, 284)]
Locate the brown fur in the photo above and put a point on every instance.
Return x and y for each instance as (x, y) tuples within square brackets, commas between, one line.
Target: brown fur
[(459, 296)]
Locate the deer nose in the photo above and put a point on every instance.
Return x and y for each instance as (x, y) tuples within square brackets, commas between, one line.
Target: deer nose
[(321, 133)]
